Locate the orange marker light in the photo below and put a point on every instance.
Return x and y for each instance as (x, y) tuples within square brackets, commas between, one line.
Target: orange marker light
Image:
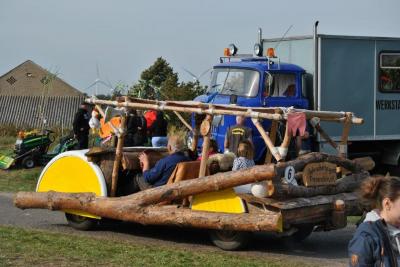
[(226, 52), (270, 52)]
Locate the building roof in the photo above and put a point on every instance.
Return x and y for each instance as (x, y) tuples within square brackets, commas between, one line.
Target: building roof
[(30, 79)]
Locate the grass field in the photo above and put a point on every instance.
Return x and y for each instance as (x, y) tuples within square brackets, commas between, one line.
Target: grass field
[(15, 180), (21, 247)]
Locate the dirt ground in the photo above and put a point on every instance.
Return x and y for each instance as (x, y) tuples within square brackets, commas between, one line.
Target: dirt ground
[(321, 248)]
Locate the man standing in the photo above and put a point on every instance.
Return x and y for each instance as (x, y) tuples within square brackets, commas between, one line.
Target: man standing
[(81, 126), (236, 134), (160, 173)]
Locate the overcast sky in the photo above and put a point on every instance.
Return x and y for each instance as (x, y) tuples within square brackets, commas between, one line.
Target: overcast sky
[(125, 37)]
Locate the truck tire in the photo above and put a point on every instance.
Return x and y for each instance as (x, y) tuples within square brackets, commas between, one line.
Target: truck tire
[(28, 162), (80, 222), (303, 231), (229, 240)]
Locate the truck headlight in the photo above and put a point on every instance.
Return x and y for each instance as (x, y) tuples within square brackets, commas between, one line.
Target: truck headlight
[(258, 50), (232, 49)]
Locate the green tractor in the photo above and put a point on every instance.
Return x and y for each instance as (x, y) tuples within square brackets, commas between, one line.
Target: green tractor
[(32, 149)]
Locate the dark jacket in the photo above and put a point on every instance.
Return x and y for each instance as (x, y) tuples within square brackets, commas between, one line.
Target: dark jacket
[(81, 122), (160, 173), (370, 246), (136, 131), (159, 126)]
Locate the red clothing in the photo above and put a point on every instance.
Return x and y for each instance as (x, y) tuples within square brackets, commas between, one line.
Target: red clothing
[(297, 121), (209, 154), (150, 117)]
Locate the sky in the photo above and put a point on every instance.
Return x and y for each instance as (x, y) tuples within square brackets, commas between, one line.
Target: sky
[(122, 38)]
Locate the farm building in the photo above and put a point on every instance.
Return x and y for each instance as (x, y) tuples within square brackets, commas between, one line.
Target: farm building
[(32, 97)]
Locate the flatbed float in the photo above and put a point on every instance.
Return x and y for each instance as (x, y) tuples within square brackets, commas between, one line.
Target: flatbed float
[(315, 191)]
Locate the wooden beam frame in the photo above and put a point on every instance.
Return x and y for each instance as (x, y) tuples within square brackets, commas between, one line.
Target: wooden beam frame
[(205, 130), (183, 121), (267, 140)]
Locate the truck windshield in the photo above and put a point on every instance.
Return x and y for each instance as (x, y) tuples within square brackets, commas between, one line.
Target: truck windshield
[(230, 81)]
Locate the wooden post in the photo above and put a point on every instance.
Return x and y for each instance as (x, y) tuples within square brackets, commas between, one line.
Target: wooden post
[(315, 122), (118, 157), (183, 121), (98, 107), (345, 135), (205, 130), (272, 136), (195, 139), (267, 140)]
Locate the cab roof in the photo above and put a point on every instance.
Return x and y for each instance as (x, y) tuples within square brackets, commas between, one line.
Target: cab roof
[(260, 63)]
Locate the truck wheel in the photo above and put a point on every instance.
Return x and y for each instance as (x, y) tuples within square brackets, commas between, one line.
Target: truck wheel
[(304, 231), (229, 240), (28, 162), (80, 222)]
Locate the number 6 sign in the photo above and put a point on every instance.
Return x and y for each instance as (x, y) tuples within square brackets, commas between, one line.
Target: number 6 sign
[(289, 175)]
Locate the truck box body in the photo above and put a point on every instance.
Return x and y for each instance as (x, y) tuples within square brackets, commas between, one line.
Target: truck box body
[(348, 79)]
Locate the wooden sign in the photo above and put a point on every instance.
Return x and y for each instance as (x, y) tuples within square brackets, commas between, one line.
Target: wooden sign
[(322, 173)]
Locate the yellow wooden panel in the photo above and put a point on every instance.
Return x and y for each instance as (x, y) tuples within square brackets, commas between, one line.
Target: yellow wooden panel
[(221, 201), (70, 174)]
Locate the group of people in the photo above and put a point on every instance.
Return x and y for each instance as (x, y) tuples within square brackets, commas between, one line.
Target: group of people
[(238, 140), (141, 129)]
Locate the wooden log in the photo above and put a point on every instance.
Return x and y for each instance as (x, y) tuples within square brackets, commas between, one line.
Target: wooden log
[(205, 130), (315, 122), (118, 157), (184, 122), (137, 207), (204, 108), (125, 210), (267, 140), (190, 108), (343, 185), (366, 163), (303, 160), (186, 188), (345, 135)]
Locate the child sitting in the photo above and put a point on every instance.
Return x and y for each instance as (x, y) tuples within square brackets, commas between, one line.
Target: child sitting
[(244, 160)]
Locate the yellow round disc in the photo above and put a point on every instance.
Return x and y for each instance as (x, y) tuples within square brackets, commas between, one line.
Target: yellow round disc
[(70, 172)]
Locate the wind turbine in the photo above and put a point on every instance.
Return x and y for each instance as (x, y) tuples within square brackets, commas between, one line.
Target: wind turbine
[(195, 77), (98, 81)]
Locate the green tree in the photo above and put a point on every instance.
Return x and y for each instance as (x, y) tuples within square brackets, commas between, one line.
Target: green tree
[(160, 82)]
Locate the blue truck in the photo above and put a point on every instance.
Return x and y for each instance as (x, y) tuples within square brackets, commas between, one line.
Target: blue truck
[(318, 72)]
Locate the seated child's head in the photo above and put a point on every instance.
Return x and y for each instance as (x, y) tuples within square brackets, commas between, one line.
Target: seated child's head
[(245, 149), (213, 146)]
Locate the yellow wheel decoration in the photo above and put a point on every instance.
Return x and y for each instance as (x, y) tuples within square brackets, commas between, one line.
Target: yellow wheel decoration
[(70, 172)]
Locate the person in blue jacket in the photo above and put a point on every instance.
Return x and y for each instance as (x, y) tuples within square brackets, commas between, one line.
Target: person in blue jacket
[(160, 173), (377, 240)]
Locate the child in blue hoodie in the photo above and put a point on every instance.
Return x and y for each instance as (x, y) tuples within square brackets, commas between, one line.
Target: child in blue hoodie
[(377, 240)]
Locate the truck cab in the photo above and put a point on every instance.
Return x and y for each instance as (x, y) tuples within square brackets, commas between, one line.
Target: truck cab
[(255, 82)]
